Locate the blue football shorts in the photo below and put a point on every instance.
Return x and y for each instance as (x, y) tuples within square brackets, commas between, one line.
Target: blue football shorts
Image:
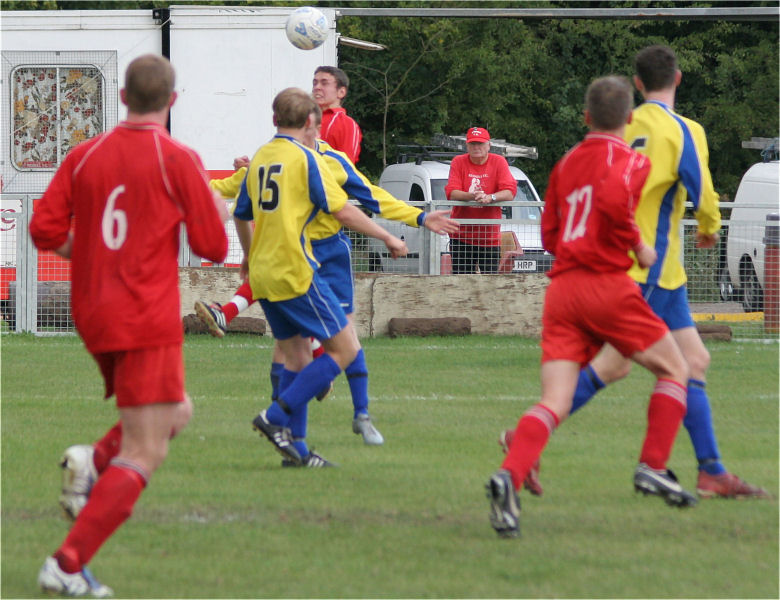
[(670, 305), (317, 313), (335, 258)]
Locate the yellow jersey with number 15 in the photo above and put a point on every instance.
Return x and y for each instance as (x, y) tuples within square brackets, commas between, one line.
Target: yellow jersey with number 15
[(286, 186), (679, 172)]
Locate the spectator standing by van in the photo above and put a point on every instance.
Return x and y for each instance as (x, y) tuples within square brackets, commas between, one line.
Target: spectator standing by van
[(483, 178)]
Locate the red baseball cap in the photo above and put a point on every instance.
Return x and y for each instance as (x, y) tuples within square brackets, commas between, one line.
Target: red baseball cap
[(477, 134)]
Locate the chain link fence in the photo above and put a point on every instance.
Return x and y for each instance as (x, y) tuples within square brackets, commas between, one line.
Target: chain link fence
[(737, 293)]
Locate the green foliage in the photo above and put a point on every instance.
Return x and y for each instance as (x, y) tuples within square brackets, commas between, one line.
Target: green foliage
[(526, 81), (222, 519)]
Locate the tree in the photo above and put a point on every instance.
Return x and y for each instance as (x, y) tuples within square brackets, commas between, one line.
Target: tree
[(526, 81)]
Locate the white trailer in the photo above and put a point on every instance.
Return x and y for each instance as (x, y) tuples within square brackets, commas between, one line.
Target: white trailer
[(230, 62), (61, 75)]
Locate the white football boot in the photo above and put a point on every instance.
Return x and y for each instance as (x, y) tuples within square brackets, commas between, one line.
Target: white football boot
[(52, 579), (78, 477)]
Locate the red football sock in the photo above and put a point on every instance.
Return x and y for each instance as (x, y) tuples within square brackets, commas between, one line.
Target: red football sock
[(319, 350), (107, 447), (664, 415), (530, 438), (230, 310), (110, 504)]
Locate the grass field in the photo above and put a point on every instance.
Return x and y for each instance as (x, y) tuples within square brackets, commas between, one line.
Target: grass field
[(222, 519)]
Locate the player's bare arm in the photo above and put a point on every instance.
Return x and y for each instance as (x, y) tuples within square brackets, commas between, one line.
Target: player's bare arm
[(66, 248), (244, 231), (219, 203), (645, 255), (354, 218)]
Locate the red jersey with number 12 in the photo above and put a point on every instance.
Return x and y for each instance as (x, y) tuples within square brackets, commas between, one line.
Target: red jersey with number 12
[(127, 192), (588, 219)]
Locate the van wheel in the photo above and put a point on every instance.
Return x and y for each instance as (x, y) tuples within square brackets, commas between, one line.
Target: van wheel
[(374, 263), (752, 295), (725, 286)]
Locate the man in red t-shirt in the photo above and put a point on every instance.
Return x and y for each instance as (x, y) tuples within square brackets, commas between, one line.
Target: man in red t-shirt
[(115, 207), (588, 224), (484, 178), (342, 133)]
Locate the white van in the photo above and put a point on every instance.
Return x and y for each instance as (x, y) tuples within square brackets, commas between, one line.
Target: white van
[(422, 182), (757, 196)]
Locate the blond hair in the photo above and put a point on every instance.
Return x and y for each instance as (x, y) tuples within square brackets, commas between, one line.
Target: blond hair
[(292, 106)]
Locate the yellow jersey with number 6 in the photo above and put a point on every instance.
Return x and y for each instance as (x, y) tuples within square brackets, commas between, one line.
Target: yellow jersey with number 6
[(286, 186), (679, 172)]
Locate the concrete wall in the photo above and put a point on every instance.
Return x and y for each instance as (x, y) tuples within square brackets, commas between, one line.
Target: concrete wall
[(496, 304)]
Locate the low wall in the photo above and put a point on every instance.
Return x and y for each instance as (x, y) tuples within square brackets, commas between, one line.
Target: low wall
[(496, 304)]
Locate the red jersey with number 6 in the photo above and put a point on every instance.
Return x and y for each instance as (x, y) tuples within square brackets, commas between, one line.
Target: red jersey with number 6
[(125, 193), (588, 219)]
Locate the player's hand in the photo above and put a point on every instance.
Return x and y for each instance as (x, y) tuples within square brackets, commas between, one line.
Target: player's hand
[(240, 161), (439, 222), (706, 240), (219, 204), (397, 247), (645, 255), (243, 271)]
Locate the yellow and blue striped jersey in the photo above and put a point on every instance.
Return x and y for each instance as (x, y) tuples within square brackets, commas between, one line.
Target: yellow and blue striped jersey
[(679, 172), (228, 187), (372, 197), (286, 186)]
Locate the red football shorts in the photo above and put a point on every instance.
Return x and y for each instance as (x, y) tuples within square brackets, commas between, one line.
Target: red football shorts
[(584, 309), (144, 376)]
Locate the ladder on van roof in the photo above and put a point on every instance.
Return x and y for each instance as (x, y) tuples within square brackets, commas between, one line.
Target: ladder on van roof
[(502, 147), (446, 147), (770, 147)]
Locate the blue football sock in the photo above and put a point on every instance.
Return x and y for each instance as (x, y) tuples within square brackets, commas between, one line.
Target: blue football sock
[(308, 383), (357, 378), (698, 422), (285, 379), (299, 421), (276, 371), (276, 415), (587, 385)]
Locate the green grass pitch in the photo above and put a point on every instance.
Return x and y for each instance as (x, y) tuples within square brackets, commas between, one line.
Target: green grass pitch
[(222, 519)]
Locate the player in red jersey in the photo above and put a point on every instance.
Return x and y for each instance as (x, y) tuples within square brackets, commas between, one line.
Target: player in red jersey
[(588, 224), (126, 193), (341, 131)]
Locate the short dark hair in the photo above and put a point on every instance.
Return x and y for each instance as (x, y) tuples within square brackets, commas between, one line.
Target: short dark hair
[(292, 106), (656, 67), (149, 82), (609, 101), (342, 80)]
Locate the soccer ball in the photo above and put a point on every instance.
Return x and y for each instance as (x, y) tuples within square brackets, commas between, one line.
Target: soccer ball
[(307, 28)]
